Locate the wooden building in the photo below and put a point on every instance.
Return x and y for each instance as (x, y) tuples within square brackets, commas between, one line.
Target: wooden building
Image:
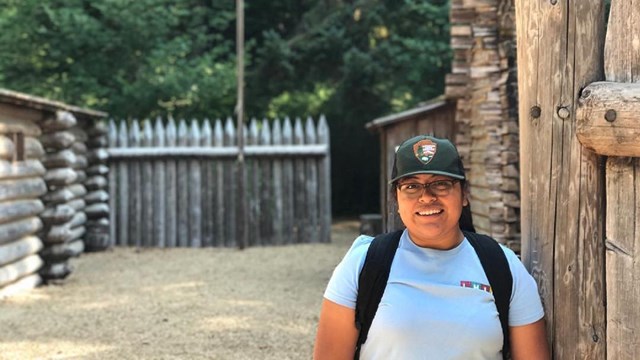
[(434, 117), (45, 169), (478, 113)]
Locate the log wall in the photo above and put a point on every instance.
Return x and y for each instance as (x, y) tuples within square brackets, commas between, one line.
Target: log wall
[(21, 185), (43, 168), (483, 81), (64, 217)]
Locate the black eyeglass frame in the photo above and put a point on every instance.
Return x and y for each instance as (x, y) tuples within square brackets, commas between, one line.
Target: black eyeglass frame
[(430, 186)]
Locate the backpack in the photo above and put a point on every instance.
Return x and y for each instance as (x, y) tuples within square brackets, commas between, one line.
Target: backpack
[(377, 265)]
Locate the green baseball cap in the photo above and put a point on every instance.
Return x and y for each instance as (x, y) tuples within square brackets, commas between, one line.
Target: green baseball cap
[(427, 155)]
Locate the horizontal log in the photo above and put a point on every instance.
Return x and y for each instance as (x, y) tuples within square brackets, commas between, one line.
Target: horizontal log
[(79, 148), (77, 204), (21, 169), (81, 176), (55, 271), (19, 249), (58, 196), (98, 128), (63, 234), (97, 210), (98, 142), (608, 118), (60, 177), (63, 158), (59, 214), (24, 284), (17, 229), (33, 148), (97, 156), (81, 162), (22, 188), (7, 148), (221, 152), (99, 169), (26, 266), (58, 140), (62, 252), (97, 241), (61, 120), (12, 210), (98, 196), (96, 182)]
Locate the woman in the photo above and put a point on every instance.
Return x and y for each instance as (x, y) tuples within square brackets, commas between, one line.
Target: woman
[(426, 312)]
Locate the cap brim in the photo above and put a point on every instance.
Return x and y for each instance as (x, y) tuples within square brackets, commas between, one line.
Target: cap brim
[(433, 172)]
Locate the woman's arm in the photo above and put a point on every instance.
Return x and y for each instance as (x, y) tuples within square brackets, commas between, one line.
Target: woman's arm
[(529, 342), (337, 333)]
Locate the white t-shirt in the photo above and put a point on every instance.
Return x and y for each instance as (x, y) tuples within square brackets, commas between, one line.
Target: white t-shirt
[(437, 303)]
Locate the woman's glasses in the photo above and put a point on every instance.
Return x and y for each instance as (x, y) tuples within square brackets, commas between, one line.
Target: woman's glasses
[(438, 188)]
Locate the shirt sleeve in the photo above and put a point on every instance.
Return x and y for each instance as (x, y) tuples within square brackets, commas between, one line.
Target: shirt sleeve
[(342, 288), (525, 307)]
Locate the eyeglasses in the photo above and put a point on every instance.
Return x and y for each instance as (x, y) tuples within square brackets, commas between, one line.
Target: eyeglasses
[(438, 188)]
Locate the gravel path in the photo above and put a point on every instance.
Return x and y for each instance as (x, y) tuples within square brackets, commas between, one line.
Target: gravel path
[(260, 303)]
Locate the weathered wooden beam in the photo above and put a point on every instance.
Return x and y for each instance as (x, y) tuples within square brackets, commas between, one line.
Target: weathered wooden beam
[(559, 52), (608, 118), (225, 151), (622, 65)]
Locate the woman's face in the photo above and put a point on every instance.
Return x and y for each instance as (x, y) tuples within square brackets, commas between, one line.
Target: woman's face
[(431, 219)]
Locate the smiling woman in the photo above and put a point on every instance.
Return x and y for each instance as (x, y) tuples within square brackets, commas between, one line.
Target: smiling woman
[(439, 298)]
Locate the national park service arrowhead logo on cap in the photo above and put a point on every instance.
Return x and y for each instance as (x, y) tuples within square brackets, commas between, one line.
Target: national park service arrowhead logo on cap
[(424, 150)]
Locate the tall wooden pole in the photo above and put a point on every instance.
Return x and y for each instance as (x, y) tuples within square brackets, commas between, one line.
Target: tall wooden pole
[(241, 215), (560, 51)]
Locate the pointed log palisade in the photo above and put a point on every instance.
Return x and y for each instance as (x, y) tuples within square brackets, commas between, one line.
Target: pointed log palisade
[(173, 184)]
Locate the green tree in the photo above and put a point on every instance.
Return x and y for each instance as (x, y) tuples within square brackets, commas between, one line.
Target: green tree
[(353, 61), (131, 58)]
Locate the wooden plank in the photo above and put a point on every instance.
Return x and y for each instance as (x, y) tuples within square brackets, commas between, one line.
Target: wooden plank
[(182, 178), (195, 195), (208, 190), (22, 189), (253, 187), (135, 189), (24, 284), (123, 189), (288, 200), (277, 213), (230, 186), (218, 141), (607, 119), (300, 212), (19, 249), (621, 252), (622, 64), (324, 177), (229, 152), (13, 210), (558, 54), (95, 169), (312, 231), (171, 192), (20, 228), (147, 178), (265, 193)]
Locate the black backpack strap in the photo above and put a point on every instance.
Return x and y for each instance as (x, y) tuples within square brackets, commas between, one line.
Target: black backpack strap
[(496, 267), (373, 280)]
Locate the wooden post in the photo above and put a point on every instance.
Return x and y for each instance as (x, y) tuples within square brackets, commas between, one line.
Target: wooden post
[(622, 64), (241, 213), (559, 52)]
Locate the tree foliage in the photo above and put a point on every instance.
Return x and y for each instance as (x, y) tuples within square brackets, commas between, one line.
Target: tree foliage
[(350, 60)]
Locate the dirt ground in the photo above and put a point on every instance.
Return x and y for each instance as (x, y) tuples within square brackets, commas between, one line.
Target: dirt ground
[(259, 303)]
